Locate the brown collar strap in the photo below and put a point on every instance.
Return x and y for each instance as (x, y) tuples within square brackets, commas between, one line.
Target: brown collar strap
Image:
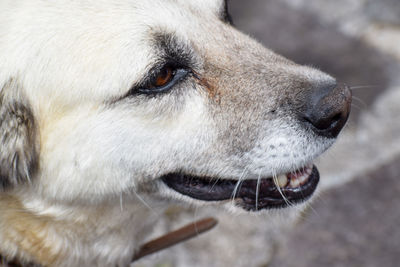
[(172, 238)]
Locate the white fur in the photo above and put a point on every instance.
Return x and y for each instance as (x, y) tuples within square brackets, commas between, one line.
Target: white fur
[(73, 58)]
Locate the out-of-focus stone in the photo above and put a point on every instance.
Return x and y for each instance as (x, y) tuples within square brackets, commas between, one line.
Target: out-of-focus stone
[(384, 11), (385, 37)]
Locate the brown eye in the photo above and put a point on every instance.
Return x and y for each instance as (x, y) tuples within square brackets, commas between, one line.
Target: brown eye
[(164, 77), (162, 81)]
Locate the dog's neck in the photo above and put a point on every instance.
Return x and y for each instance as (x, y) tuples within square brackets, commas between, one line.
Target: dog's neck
[(35, 230), (40, 231)]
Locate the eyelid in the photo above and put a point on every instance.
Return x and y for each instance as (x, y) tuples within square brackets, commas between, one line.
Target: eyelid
[(179, 74)]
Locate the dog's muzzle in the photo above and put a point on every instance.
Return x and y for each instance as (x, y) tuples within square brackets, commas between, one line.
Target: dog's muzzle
[(324, 113)]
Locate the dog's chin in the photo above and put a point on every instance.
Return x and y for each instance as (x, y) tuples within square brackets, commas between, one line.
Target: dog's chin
[(264, 193)]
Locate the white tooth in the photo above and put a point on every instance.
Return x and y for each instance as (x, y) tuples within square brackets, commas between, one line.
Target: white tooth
[(303, 178), (294, 183), (282, 180)]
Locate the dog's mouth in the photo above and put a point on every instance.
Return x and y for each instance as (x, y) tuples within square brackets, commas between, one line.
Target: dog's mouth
[(250, 194)]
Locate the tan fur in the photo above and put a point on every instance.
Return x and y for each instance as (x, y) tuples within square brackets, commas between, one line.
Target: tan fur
[(212, 90), (28, 231)]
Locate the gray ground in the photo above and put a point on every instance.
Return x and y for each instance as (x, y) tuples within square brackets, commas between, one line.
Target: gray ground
[(355, 221), (353, 225)]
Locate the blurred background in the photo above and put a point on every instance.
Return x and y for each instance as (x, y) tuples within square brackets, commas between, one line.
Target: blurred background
[(356, 219)]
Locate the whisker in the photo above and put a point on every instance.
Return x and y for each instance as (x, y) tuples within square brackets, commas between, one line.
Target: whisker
[(234, 192), (357, 107), (309, 206), (258, 188), (145, 203), (215, 183), (218, 179), (362, 87), (275, 178), (120, 202), (195, 216), (359, 100)]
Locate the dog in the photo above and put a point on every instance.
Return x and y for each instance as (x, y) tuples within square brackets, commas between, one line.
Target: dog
[(111, 106)]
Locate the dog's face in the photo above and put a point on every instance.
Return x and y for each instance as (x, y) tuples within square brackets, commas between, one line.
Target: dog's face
[(158, 97)]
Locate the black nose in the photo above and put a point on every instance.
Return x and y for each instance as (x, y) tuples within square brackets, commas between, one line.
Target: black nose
[(327, 109)]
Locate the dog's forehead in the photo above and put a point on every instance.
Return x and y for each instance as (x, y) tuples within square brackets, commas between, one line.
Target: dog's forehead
[(204, 5), (179, 16), (104, 42)]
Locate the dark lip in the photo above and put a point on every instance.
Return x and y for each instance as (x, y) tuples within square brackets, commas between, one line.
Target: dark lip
[(214, 189)]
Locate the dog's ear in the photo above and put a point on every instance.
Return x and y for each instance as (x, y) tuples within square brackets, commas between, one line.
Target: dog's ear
[(18, 152)]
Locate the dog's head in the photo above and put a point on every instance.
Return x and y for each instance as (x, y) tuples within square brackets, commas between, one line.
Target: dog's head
[(157, 97)]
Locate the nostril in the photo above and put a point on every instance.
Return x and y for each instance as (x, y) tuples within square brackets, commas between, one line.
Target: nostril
[(328, 126), (336, 118), (324, 122)]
